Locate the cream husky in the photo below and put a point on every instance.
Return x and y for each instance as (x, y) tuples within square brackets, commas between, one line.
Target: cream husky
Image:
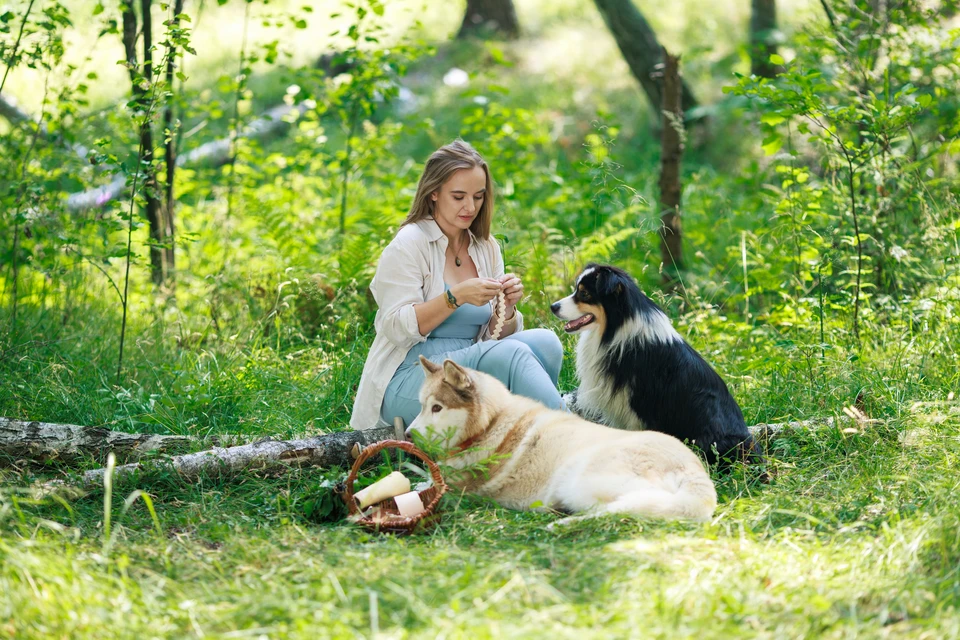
[(556, 460)]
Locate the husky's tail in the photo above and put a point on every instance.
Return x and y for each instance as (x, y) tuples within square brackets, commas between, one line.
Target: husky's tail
[(694, 498)]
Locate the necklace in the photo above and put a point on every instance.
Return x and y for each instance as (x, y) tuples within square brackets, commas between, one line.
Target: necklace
[(456, 255)]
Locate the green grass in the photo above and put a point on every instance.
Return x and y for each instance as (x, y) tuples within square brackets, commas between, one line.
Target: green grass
[(857, 537)]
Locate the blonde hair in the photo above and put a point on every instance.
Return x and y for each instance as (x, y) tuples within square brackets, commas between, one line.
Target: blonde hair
[(440, 166)]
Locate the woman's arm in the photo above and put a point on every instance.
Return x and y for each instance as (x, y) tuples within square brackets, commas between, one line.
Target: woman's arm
[(397, 288), (432, 313), (405, 318), (476, 291)]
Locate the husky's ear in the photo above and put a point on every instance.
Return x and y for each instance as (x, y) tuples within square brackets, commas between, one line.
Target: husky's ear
[(428, 366), (455, 375)]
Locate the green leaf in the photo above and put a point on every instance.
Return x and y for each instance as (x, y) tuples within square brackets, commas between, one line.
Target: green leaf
[(772, 119), (98, 9), (772, 145), (777, 59)]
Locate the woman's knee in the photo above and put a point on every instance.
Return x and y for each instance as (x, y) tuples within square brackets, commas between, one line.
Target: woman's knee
[(548, 347), (505, 355)]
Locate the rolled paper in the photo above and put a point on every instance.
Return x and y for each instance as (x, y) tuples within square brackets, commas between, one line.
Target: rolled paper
[(393, 485), (409, 504)]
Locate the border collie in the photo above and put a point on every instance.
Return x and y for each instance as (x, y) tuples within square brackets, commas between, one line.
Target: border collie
[(636, 372)]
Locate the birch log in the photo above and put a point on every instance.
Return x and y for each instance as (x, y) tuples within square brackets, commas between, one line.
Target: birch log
[(321, 451), (767, 431), (40, 439), (213, 153), (335, 450)]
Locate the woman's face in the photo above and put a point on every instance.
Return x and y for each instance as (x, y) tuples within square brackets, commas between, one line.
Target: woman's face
[(459, 199)]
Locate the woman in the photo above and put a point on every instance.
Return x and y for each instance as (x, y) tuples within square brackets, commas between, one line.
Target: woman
[(436, 286)]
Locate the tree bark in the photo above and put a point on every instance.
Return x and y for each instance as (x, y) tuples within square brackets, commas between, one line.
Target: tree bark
[(640, 48), (489, 16), (322, 451), (671, 153), (336, 449), (763, 38), (44, 440), (151, 187), (170, 148), (141, 81)]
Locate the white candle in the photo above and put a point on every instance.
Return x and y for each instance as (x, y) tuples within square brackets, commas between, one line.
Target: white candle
[(409, 504), (393, 485)]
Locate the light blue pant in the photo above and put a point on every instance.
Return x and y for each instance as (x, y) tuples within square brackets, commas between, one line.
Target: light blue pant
[(527, 362)]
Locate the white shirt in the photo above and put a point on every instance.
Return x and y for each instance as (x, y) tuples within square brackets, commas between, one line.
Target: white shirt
[(410, 272)]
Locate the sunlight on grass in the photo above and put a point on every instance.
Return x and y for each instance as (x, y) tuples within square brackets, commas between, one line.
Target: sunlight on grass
[(486, 572)]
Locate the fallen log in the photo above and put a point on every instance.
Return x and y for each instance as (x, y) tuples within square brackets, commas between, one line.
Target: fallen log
[(765, 431), (334, 449), (34, 439), (11, 111), (214, 153)]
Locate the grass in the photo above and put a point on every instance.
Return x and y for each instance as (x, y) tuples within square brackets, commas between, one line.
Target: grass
[(857, 537)]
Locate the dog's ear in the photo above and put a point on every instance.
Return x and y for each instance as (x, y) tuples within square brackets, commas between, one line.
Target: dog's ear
[(428, 366), (612, 282), (606, 283), (455, 375)]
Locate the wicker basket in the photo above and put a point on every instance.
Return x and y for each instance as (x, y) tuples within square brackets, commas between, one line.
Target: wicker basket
[(389, 519)]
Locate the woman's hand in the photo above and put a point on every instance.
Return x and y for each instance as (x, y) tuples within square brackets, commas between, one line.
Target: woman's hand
[(512, 290), (476, 291)]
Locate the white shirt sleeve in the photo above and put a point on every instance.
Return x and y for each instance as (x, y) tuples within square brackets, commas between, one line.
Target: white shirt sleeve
[(398, 285)]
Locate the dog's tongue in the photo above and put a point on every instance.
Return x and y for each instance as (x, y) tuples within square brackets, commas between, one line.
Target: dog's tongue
[(573, 325)]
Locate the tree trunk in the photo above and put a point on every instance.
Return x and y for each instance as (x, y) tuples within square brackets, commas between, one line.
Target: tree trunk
[(640, 48), (671, 153), (329, 450), (47, 440), (141, 81), (485, 16), (763, 38), (170, 148), (151, 187)]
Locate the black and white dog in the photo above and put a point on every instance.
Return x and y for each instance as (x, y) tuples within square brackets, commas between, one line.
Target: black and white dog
[(636, 372)]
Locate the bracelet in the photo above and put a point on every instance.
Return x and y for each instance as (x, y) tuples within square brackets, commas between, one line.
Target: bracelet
[(451, 300)]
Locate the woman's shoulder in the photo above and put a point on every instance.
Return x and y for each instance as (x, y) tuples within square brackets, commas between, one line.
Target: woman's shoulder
[(411, 242), (413, 234)]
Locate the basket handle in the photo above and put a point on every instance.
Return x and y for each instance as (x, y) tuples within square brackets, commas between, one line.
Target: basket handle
[(375, 448)]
